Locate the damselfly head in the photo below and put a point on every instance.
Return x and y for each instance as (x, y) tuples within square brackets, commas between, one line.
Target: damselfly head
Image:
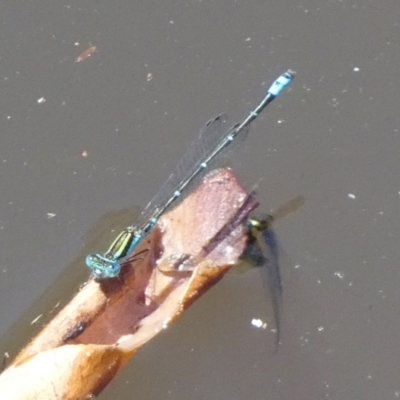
[(102, 267)]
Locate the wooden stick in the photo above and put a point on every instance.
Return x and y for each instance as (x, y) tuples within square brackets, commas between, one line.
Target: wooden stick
[(77, 354)]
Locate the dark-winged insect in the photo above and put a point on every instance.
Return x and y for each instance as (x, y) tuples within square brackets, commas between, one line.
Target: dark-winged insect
[(263, 249)]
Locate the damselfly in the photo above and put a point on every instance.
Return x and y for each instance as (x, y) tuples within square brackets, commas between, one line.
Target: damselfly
[(211, 142)]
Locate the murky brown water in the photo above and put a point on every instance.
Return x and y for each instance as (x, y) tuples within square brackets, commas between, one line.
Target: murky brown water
[(159, 73)]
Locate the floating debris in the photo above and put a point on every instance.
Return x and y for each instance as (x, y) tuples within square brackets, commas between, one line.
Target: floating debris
[(259, 323), (36, 319), (86, 54)]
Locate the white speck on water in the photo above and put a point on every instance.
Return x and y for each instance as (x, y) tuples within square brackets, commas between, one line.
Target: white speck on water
[(339, 274), (351, 196), (36, 319), (320, 328), (304, 341), (259, 323), (334, 102), (41, 100), (356, 69), (50, 215)]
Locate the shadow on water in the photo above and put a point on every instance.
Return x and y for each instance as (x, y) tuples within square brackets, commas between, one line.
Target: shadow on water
[(263, 251), (68, 282)]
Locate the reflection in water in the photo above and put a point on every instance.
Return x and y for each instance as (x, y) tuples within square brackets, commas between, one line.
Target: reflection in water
[(69, 281)]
